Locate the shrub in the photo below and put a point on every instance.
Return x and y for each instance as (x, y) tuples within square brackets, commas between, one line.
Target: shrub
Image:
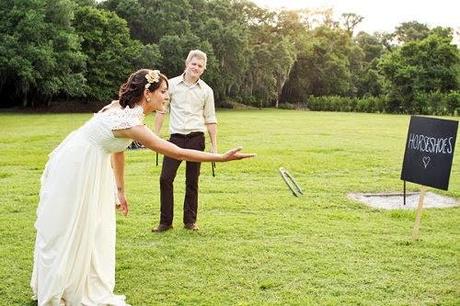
[(347, 104)]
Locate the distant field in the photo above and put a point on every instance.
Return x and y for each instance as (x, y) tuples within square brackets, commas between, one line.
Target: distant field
[(258, 244)]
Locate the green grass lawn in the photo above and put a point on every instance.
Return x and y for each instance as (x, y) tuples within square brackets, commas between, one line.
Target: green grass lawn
[(258, 244)]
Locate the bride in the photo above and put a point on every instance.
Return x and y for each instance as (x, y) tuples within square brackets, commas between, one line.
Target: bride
[(74, 256)]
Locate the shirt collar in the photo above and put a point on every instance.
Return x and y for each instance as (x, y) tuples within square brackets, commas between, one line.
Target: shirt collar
[(199, 82)]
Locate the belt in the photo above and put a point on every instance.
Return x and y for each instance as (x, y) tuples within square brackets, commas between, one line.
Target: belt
[(190, 135)]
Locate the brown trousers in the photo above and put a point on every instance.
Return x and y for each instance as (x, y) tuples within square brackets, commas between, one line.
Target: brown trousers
[(192, 172)]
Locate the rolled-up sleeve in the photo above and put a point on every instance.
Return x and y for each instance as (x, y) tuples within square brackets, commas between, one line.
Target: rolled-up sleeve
[(209, 111)]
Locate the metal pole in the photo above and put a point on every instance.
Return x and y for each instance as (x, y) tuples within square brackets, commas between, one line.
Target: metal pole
[(404, 196)]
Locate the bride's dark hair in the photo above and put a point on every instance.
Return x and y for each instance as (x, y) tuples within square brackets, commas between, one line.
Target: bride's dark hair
[(131, 92)]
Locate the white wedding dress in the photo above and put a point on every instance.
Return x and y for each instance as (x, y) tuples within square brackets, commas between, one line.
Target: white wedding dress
[(74, 257)]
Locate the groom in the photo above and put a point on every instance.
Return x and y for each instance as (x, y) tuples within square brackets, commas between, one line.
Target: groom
[(192, 113)]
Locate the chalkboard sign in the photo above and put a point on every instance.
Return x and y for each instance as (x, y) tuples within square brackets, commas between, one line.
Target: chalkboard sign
[(429, 151)]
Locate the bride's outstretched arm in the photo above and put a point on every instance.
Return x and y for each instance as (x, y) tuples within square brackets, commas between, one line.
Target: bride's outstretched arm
[(145, 136)]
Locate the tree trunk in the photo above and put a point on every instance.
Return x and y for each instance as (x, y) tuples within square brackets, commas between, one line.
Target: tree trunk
[(24, 100), (279, 91)]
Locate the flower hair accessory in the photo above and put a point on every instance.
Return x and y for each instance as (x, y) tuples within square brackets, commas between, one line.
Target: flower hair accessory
[(153, 76)]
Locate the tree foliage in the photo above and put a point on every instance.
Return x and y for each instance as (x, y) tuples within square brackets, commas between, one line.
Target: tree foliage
[(40, 54), (419, 67), (84, 49), (110, 50)]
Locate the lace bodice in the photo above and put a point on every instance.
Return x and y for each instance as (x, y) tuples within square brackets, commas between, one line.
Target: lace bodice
[(112, 117), (122, 118)]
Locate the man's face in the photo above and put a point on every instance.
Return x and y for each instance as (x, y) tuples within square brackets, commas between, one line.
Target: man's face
[(195, 68)]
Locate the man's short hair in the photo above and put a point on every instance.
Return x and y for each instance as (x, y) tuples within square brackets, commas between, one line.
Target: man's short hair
[(198, 54)]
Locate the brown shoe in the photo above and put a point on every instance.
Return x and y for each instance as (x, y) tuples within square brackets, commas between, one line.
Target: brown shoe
[(191, 226), (162, 228)]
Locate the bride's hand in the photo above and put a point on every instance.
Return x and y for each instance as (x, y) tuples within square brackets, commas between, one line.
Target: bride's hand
[(235, 154), (122, 203)]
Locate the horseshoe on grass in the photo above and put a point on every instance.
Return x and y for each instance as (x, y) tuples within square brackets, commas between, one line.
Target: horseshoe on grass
[(291, 182)]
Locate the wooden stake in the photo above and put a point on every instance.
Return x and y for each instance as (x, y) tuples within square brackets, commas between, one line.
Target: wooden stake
[(418, 215)]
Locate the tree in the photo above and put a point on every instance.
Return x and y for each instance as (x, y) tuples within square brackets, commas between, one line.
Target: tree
[(40, 54), (371, 46), (85, 2), (322, 68), (284, 57), (386, 39), (410, 31), (367, 79), (420, 66), (293, 35), (173, 51), (111, 53), (148, 57), (229, 43), (150, 20), (350, 21)]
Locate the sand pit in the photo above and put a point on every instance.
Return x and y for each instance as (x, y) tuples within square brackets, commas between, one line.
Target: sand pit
[(395, 200)]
